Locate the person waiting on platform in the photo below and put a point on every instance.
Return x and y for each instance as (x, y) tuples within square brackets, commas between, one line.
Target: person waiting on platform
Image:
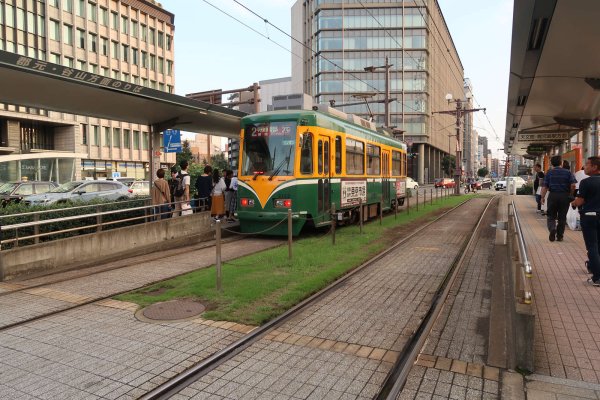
[(217, 209), (560, 183), (204, 188), (161, 196)]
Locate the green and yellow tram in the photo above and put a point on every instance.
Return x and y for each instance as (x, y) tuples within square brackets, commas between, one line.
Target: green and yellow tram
[(311, 161)]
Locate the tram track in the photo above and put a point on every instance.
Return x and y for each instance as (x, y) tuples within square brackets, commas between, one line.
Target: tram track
[(188, 377)]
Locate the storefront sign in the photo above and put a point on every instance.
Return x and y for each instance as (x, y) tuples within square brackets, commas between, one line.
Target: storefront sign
[(543, 137)]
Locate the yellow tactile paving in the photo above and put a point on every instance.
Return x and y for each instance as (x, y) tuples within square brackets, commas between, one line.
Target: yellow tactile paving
[(121, 305), (458, 366), (10, 286)]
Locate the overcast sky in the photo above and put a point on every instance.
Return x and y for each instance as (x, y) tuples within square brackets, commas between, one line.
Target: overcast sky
[(212, 50)]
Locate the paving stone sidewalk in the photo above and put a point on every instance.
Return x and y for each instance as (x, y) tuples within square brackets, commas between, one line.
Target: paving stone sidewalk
[(343, 346)]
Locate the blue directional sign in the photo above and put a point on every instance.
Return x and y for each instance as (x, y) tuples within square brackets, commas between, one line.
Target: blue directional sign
[(172, 141)]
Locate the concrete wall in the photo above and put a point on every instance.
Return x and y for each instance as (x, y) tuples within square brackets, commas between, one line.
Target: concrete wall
[(87, 250)]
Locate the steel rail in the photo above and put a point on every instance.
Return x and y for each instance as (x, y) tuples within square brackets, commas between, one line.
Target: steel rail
[(397, 377), (184, 379)]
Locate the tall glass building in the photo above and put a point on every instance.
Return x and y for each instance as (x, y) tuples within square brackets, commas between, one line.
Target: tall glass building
[(342, 38), (128, 40)]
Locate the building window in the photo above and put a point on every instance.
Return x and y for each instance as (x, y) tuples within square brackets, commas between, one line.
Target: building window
[(144, 59), (10, 15), (125, 53), (152, 62), (169, 67), (68, 34), (41, 25), (55, 58), (134, 56), (161, 65), (115, 74), (68, 62), (103, 16), (92, 12), (126, 138), (145, 141), (104, 71), (169, 39), (116, 137), (152, 36), (144, 33), (104, 46), (67, 5), (20, 19), (106, 136), (54, 30), (81, 39), (93, 43), (36, 136), (115, 20), (80, 8), (124, 25), (169, 88), (134, 28), (54, 3), (84, 134), (161, 40), (136, 140), (96, 133), (81, 65), (115, 50), (93, 68)]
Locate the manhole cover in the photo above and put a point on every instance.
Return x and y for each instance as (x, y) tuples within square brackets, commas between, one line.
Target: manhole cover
[(174, 309)]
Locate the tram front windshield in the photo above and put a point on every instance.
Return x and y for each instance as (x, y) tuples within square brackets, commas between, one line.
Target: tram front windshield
[(269, 149)]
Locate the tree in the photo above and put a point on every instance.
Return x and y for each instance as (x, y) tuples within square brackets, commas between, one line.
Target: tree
[(218, 161), (186, 153), (482, 172), (448, 163)]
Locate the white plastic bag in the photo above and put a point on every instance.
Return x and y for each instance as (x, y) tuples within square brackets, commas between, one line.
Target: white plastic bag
[(573, 219), (545, 204), (186, 209)]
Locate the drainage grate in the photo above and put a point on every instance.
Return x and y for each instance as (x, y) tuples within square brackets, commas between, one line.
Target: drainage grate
[(173, 310)]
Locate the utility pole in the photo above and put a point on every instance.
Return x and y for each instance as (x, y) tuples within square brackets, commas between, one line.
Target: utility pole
[(459, 112), (387, 99)]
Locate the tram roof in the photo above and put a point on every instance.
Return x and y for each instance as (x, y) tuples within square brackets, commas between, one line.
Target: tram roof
[(554, 84), (324, 120), (33, 83)]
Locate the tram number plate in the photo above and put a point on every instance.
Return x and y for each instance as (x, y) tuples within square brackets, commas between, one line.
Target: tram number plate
[(352, 192)]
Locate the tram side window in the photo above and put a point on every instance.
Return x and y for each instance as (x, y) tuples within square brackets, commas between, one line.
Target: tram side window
[(326, 156), (306, 153), (355, 157), (404, 170), (338, 155), (320, 157), (373, 160), (397, 163)]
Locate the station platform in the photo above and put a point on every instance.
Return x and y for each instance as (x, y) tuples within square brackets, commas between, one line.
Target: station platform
[(567, 317)]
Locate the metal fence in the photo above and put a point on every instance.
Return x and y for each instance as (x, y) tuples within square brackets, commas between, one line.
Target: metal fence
[(522, 271)]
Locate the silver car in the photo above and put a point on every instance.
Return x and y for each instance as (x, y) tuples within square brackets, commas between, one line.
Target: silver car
[(140, 188), (82, 191)]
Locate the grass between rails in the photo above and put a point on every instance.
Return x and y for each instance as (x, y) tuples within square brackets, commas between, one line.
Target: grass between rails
[(261, 286)]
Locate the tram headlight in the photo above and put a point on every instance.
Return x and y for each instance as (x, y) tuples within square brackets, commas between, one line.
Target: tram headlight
[(247, 202), (283, 203)]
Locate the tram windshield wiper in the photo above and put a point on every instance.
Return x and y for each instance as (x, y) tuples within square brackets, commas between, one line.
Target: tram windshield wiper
[(280, 165)]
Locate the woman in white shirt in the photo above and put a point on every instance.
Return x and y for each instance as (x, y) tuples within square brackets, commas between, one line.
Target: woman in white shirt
[(217, 208)]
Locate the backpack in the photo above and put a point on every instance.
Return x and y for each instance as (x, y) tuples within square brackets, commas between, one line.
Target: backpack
[(180, 186)]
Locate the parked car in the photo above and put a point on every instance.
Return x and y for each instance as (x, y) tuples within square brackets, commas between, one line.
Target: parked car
[(14, 192), (412, 184), (484, 183), (444, 182), (519, 182), (82, 191), (140, 188)]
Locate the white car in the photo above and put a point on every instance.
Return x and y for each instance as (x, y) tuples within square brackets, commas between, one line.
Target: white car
[(412, 184), (140, 188), (519, 182)]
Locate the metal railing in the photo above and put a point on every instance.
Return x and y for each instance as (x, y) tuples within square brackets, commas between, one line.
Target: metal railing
[(12, 235), (522, 271)]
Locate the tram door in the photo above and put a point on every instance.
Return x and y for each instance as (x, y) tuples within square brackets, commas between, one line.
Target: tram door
[(324, 172), (385, 177)]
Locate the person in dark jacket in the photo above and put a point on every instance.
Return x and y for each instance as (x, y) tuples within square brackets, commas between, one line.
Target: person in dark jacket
[(560, 183), (204, 187), (538, 182)]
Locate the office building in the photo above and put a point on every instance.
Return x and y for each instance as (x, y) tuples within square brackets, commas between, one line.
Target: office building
[(344, 58), (128, 40)]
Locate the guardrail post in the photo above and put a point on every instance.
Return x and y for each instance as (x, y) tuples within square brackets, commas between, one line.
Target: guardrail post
[(289, 221), (381, 212), (333, 223), (431, 195), (98, 219), (218, 247), (408, 203), (360, 206), (36, 229), (417, 199), (396, 208)]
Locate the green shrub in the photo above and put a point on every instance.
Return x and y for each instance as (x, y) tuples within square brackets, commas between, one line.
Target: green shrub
[(20, 213), (527, 189)]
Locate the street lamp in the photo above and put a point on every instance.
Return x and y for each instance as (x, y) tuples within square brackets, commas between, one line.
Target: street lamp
[(387, 99)]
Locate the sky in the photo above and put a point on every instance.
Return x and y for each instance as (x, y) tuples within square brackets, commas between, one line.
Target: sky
[(212, 50)]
